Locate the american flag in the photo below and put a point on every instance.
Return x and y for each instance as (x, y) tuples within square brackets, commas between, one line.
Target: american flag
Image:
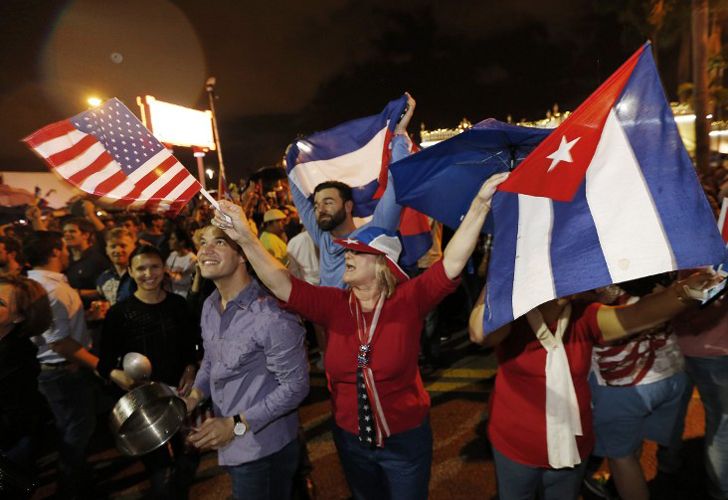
[(108, 153)]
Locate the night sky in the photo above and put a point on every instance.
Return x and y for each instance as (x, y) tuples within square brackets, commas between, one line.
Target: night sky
[(286, 68)]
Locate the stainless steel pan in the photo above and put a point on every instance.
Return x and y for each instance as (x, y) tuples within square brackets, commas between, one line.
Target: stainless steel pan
[(145, 418)]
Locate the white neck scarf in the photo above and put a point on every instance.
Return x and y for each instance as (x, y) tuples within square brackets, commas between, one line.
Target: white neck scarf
[(563, 422)]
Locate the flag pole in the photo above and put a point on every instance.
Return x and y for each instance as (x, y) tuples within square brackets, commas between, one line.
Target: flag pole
[(209, 198), (215, 204), (210, 88)]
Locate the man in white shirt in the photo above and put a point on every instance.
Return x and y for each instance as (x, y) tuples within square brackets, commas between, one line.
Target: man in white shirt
[(303, 258), (65, 377)]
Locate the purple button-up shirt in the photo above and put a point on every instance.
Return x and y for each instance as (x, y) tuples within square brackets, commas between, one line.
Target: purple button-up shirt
[(255, 364)]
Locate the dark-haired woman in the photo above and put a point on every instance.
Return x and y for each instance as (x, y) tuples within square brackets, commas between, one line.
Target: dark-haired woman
[(157, 324)]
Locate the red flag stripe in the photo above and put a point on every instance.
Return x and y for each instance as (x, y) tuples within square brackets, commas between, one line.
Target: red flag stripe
[(156, 173), (185, 197), (69, 154), (384, 169), (48, 133), (170, 185), (110, 183), (96, 166)]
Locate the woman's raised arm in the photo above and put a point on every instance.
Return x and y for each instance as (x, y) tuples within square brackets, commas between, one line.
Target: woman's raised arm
[(462, 244)]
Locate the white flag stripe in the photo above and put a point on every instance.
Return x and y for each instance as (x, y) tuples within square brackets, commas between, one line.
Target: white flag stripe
[(631, 234), (149, 165), (159, 183), (533, 280), (92, 182), (357, 168), (59, 144), (78, 163)]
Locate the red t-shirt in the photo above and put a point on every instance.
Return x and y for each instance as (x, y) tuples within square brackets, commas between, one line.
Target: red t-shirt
[(395, 346), (517, 426)]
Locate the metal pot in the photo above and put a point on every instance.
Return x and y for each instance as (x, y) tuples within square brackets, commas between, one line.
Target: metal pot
[(145, 418)]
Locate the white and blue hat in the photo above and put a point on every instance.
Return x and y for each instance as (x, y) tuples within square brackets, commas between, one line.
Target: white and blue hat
[(378, 241)]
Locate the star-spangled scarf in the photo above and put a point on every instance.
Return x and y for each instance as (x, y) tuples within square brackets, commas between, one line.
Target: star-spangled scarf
[(373, 427)]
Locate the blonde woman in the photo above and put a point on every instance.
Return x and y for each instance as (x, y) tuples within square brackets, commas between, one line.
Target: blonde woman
[(380, 407)]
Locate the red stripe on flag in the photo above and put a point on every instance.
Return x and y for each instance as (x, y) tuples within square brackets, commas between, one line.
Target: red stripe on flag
[(66, 155), (169, 186), (155, 174), (184, 198), (110, 183), (384, 169), (94, 167), (49, 132), (412, 222), (129, 197)]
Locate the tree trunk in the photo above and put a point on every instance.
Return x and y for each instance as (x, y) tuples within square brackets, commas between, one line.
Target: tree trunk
[(700, 82)]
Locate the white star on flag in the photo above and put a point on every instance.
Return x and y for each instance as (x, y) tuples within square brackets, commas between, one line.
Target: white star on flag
[(563, 153)]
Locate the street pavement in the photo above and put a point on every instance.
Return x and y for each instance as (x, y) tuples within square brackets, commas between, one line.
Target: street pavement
[(462, 465)]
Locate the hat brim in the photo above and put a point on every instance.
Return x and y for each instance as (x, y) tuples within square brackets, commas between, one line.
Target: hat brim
[(358, 246)]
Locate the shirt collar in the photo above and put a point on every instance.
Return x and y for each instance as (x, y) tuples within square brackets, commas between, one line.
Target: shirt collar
[(50, 275), (246, 296)]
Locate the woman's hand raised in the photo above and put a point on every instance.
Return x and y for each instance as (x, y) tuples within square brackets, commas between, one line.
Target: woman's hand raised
[(487, 190)]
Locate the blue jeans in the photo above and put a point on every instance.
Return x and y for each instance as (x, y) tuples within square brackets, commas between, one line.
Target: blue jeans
[(523, 482), (268, 478), (171, 474), (399, 471), (69, 392), (710, 375)]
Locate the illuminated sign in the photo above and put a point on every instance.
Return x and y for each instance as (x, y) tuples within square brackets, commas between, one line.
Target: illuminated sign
[(177, 125)]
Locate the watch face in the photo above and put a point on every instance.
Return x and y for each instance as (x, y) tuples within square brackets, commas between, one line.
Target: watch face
[(239, 429)]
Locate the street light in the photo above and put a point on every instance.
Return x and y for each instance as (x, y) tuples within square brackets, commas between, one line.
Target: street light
[(210, 172), (94, 101)]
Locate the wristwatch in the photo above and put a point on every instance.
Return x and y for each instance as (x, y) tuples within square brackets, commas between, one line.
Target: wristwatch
[(240, 427)]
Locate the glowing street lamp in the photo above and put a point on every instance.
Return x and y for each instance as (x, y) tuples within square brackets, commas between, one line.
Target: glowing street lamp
[(210, 172)]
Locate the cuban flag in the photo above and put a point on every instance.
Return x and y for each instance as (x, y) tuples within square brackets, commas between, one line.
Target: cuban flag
[(358, 153), (355, 152), (442, 180), (609, 196)]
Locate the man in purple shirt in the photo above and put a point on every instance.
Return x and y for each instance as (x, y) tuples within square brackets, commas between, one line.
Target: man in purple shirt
[(255, 371)]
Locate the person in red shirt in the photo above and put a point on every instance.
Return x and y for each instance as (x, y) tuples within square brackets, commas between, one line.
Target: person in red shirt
[(540, 422), (380, 405)]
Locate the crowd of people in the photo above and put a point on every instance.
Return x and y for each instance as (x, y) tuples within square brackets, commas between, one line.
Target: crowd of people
[(222, 303)]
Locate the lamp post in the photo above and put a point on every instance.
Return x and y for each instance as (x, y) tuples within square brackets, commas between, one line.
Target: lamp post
[(210, 88)]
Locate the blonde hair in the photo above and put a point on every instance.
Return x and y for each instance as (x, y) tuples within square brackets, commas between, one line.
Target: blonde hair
[(386, 281)]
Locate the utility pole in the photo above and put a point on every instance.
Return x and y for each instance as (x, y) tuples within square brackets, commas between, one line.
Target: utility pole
[(700, 84)]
